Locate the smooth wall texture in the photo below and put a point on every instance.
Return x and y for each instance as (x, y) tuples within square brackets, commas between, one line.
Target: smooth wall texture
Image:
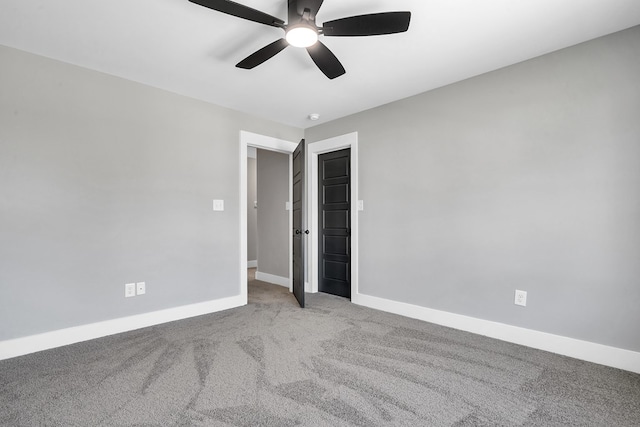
[(524, 178), (252, 211), (104, 182), (273, 219)]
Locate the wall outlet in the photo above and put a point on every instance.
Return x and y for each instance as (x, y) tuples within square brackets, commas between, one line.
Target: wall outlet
[(130, 290), (521, 298), (218, 205), (141, 288)]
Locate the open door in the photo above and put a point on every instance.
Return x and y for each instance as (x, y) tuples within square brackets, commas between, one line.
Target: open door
[(299, 223)]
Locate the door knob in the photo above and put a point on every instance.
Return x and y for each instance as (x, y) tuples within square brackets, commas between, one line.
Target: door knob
[(298, 231), (306, 231)]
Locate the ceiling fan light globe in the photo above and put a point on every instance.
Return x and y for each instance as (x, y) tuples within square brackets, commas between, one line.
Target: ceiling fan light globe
[(302, 36)]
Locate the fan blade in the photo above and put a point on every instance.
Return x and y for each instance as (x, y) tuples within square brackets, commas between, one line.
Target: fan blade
[(241, 11), (326, 60), (258, 57), (373, 24)]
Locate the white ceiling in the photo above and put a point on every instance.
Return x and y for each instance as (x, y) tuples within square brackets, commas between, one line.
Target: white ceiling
[(191, 50)]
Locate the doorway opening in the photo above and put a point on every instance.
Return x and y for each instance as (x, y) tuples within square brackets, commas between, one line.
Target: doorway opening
[(248, 139), (267, 215)]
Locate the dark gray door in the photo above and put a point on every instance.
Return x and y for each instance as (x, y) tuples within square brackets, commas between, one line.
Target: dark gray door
[(299, 223), (334, 228)]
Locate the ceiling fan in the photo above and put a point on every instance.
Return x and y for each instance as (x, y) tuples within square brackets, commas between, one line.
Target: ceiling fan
[(302, 31)]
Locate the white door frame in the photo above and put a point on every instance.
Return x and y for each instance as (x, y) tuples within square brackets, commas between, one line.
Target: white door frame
[(272, 144), (313, 150)]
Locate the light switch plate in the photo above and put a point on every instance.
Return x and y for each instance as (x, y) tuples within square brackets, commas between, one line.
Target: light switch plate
[(141, 288), (287, 206), (218, 205), (360, 205)]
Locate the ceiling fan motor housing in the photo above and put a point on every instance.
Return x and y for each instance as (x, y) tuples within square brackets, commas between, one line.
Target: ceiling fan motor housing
[(301, 30), (297, 9)]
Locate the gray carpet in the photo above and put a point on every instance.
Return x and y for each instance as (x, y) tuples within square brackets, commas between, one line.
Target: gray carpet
[(272, 364)]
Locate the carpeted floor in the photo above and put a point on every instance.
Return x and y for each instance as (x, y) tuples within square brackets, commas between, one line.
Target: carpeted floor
[(271, 363)]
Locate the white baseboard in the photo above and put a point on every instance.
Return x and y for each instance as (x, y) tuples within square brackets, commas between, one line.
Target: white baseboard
[(252, 264), (584, 350), (31, 344), (270, 278)]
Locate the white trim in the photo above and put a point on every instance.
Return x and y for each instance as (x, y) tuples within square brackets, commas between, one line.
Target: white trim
[(31, 344), (273, 279), (252, 264), (243, 221), (314, 149), (584, 350), (267, 143)]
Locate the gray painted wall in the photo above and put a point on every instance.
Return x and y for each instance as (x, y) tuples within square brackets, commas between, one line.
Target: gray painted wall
[(273, 219), (252, 212), (524, 178), (103, 182)]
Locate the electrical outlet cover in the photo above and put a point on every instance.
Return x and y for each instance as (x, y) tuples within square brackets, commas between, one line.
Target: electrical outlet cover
[(130, 290), (218, 205), (141, 288), (521, 298)]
